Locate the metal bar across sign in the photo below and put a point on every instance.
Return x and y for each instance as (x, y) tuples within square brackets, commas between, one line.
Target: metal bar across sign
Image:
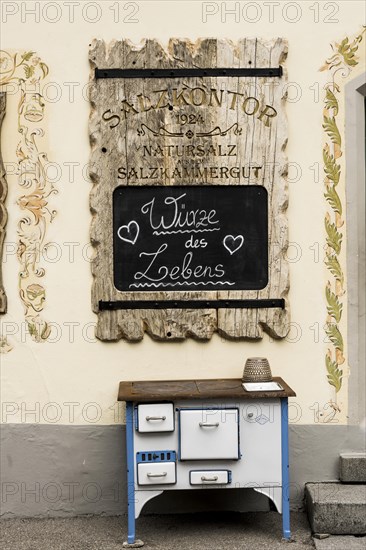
[(188, 72), (191, 304)]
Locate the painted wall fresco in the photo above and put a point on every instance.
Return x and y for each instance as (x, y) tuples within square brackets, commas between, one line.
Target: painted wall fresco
[(27, 71), (3, 212), (339, 67)]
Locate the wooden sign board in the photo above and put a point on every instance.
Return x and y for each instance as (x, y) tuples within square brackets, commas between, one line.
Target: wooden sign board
[(189, 194)]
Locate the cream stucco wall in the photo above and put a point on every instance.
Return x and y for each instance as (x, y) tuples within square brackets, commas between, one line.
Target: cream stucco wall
[(72, 370)]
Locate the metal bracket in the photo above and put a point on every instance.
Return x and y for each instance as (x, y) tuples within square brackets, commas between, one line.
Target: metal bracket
[(188, 72), (191, 304)]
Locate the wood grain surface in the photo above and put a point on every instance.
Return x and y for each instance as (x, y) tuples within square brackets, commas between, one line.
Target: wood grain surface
[(158, 390)]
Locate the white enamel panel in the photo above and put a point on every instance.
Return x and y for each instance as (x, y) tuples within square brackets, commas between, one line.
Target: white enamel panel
[(209, 477), (156, 473), (155, 417), (209, 434), (261, 442), (260, 445)]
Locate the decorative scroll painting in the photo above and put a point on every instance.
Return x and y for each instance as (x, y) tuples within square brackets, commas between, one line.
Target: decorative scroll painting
[(339, 67), (27, 72), (3, 213), (189, 197)]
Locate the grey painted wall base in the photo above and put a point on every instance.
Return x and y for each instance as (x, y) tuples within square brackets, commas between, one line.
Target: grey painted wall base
[(75, 470)]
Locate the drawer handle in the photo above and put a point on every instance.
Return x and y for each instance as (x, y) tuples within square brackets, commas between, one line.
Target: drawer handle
[(213, 478), (148, 418), (164, 474), (207, 425)]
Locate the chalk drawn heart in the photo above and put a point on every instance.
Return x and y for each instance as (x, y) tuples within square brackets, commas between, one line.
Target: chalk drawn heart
[(129, 232), (232, 244)]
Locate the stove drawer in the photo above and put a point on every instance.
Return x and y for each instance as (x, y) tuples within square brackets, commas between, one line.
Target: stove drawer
[(209, 477), (155, 417), (156, 473), (209, 434)]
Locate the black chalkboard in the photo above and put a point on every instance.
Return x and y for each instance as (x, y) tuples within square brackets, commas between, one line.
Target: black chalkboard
[(190, 238)]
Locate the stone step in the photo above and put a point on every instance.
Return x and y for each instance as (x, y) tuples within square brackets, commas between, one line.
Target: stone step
[(352, 467), (336, 508), (341, 542)]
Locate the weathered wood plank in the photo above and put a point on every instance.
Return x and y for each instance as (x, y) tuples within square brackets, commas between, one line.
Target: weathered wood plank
[(267, 143)]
